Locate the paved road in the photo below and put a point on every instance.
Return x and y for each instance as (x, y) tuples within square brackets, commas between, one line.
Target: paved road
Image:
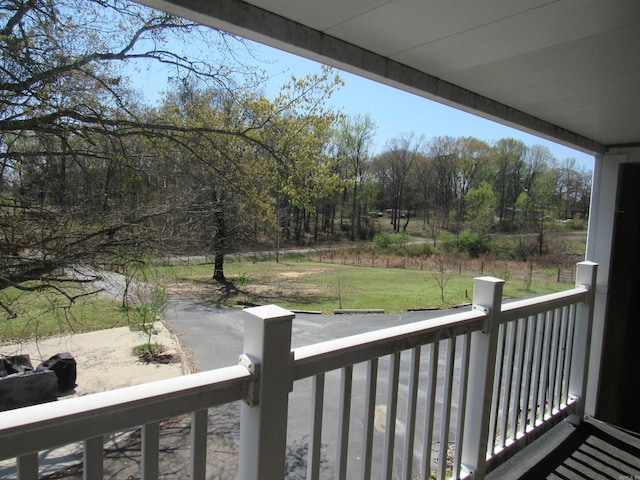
[(215, 337)]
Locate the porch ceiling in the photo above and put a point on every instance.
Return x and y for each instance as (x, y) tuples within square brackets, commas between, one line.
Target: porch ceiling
[(568, 70)]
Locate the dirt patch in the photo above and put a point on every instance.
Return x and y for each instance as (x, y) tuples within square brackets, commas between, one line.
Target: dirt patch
[(306, 273), (213, 291), (295, 274), (268, 290), (189, 289)]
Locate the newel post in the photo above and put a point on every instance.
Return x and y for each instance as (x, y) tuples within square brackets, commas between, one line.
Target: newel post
[(487, 296), (585, 277), (263, 417)]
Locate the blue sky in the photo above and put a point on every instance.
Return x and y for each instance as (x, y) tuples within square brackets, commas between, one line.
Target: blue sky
[(395, 112)]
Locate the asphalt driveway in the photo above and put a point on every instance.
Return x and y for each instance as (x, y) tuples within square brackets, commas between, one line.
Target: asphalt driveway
[(214, 336)]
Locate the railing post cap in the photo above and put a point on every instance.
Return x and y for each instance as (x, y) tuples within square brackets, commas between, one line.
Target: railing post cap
[(270, 313), (588, 263), (489, 279)]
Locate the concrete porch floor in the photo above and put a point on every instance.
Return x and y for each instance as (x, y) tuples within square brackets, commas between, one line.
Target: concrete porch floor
[(593, 451)]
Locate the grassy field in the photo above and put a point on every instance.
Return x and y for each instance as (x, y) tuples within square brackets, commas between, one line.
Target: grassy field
[(294, 283), (47, 314), (303, 285)]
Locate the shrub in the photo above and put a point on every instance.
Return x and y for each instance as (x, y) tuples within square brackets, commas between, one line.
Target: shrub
[(145, 349), (446, 242), (472, 244), (575, 224), (391, 240), (242, 279), (417, 250)]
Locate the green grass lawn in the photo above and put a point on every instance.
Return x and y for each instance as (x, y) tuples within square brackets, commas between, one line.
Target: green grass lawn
[(47, 314), (292, 284), (302, 285)]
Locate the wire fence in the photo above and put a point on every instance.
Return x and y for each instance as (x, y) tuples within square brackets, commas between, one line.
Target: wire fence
[(564, 272), (464, 266)]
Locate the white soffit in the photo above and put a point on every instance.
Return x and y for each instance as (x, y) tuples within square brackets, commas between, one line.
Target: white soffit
[(567, 69)]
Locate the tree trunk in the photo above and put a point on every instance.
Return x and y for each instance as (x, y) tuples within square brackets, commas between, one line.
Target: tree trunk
[(61, 192), (406, 223), (220, 248), (352, 235), (298, 219), (218, 267)]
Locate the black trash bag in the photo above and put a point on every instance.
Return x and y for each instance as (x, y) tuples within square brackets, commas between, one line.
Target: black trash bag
[(28, 388), (65, 368), (14, 364)]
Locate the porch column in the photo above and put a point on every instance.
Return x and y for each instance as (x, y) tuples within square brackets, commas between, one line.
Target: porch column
[(263, 418), (585, 276), (487, 295)]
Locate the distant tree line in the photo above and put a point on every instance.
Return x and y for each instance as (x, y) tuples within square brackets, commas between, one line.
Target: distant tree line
[(470, 188), (91, 175)]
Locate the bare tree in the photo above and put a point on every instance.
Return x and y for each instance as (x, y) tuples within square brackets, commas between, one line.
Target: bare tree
[(392, 168), (72, 134), (442, 277)]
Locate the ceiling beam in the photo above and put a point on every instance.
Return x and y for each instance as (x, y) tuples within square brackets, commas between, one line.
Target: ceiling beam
[(263, 26)]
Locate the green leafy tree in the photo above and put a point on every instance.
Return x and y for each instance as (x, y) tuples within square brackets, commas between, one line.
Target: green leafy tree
[(473, 156), (299, 136), (480, 216), (228, 187), (354, 140), (480, 209)]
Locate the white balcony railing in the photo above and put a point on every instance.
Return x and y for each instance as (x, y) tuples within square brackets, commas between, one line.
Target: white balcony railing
[(478, 385)]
